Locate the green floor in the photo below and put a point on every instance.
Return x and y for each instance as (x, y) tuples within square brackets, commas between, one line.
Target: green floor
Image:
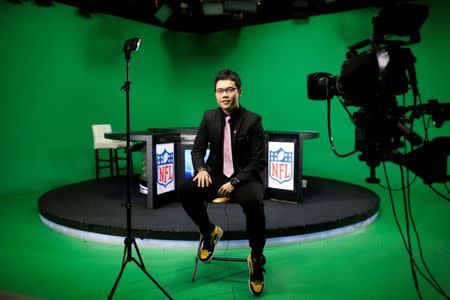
[(369, 264)]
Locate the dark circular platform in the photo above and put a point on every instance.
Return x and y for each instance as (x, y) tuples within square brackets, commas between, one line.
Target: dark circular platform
[(97, 206)]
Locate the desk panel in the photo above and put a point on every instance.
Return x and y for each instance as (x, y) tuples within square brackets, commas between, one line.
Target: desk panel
[(183, 140)]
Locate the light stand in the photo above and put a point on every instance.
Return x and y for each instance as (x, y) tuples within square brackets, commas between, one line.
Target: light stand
[(130, 45)]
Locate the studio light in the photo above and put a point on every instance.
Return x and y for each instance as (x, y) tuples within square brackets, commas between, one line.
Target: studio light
[(163, 13), (300, 9), (86, 8), (44, 3), (247, 6), (131, 45), (212, 7)]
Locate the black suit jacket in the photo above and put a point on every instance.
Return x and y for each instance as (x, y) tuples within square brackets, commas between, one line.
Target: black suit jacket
[(248, 147)]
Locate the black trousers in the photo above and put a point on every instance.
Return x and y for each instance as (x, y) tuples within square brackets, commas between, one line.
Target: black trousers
[(248, 195)]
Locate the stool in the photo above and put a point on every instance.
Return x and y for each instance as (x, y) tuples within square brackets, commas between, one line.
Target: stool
[(219, 200), (100, 142)]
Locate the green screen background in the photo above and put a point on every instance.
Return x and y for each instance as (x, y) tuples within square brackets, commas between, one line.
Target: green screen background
[(60, 73)]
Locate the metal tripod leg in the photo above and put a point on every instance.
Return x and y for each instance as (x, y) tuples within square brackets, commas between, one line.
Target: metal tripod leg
[(127, 257)]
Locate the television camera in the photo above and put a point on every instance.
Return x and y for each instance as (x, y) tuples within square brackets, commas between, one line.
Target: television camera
[(371, 79)]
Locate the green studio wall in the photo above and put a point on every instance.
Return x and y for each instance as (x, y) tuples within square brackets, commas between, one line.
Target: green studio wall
[(60, 73)]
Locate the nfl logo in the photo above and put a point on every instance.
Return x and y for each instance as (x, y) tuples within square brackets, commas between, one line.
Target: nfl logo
[(280, 165), (165, 166)]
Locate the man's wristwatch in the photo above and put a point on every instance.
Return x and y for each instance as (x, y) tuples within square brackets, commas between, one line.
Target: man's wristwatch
[(234, 181), (202, 169)]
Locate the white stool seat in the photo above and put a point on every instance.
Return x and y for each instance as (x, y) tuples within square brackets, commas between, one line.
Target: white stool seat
[(100, 142), (113, 145)]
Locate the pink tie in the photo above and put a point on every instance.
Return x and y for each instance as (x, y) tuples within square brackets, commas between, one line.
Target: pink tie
[(228, 169)]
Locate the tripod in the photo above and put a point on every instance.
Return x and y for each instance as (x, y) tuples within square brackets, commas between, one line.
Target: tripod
[(130, 45)]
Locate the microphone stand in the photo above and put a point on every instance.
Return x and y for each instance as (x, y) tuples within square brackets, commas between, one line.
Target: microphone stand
[(129, 239)]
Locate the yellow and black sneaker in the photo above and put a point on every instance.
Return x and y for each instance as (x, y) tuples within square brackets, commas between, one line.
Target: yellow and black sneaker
[(209, 244), (256, 270)]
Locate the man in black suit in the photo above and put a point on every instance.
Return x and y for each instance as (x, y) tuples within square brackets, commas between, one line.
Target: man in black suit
[(233, 169)]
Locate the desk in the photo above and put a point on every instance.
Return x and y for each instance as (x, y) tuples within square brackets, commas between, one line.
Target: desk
[(183, 140)]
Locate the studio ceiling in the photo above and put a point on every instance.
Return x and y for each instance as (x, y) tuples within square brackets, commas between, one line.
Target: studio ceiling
[(204, 16)]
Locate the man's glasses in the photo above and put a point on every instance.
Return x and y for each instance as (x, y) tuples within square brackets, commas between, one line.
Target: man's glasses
[(227, 90)]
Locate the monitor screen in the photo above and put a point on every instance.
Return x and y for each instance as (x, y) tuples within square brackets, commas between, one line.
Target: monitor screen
[(188, 167)]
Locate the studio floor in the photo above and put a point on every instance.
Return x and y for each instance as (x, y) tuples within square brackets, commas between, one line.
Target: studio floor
[(39, 263)]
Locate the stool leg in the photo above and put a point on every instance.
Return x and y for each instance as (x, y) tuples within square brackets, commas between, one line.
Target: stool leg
[(194, 273), (116, 162), (97, 165), (111, 162), (131, 163), (197, 258)]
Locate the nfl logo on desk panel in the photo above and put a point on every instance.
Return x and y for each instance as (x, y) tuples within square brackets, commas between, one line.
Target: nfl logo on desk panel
[(281, 165), (165, 168)]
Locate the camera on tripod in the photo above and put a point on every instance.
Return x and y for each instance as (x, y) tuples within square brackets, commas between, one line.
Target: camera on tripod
[(371, 79)]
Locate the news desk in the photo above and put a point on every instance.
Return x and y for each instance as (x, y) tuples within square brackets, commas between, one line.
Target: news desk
[(169, 168)]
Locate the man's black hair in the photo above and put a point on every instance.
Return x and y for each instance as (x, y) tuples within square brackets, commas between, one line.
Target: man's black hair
[(228, 75)]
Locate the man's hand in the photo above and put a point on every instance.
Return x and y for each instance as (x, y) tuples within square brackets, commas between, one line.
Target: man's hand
[(203, 179), (225, 190)]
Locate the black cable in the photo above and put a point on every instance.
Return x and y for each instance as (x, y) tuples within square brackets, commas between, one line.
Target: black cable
[(429, 122), (437, 192), (226, 248), (330, 137), (436, 285), (346, 109), (426, 138), (393, 207), (401, 231), (405, 150), (398, 189), (228, 227), (426, 126), (408, 237)]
